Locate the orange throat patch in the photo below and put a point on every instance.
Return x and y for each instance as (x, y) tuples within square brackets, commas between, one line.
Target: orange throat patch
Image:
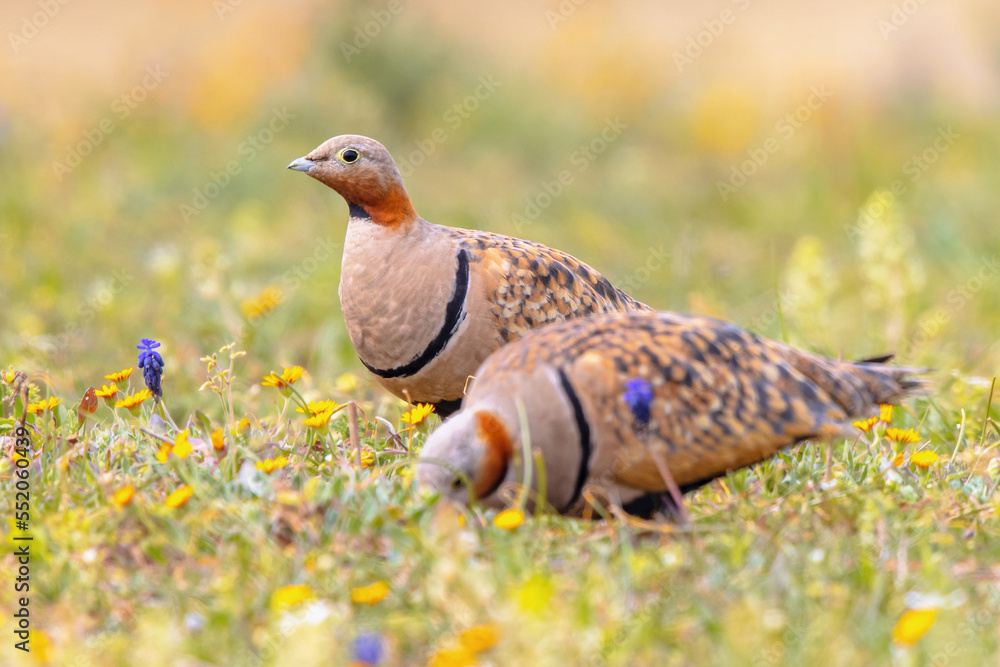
[(496, 459)]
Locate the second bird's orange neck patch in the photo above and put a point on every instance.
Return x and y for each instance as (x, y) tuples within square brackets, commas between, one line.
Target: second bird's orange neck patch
[(496, 459)]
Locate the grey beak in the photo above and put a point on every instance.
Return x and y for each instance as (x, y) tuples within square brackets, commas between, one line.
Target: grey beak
[(301, 164)]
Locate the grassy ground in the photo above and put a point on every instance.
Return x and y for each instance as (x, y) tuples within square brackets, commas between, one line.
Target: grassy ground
[(783, 564), (871, 228)]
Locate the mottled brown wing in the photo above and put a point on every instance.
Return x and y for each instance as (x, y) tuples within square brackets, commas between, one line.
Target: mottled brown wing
[(722, 397), (532, 285)]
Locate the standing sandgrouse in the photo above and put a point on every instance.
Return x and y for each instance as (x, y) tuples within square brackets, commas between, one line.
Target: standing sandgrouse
[(426, 304), (610, 400)]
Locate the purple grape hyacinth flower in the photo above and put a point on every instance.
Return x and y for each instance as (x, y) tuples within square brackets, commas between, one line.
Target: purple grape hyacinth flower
[(368, 649), (151, 365), (639, 397)]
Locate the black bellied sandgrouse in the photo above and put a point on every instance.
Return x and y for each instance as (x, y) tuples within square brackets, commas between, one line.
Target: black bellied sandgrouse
[(424, 304), (612, 400)]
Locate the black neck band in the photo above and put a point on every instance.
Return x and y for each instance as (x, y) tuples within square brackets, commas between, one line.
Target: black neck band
[(454, 314), (584, 429)]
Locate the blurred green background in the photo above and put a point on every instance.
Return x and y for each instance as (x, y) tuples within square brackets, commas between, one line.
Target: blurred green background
[(143, 190)]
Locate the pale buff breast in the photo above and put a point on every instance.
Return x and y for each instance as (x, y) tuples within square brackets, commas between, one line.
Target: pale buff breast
[(395, 289)]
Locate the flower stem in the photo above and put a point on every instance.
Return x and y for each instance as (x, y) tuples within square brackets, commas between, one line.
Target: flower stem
[(229, 391), (352, 426), (163, 409)]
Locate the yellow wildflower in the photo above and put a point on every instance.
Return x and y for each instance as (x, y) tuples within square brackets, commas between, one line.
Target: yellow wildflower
[(405, 475), (43, 405), (164, 452), (347, 383), (319, 421), (885, 413), (288, 497), (134, 401), (289, 596), (320, 413), (901, 435), (418, 414), (898, 460), (924, 458), (509, 519), (371, 594), (241, 426), (367, 458), (866, 424), (41, 647), (108, 393), (218, 440), (123, 496), (535, 594), (120, 376), (262, 304), (912, 625), (453, 657), (480, 638), (270, 465), (288, 377), (318, 407), (179, 497), (181, 445)]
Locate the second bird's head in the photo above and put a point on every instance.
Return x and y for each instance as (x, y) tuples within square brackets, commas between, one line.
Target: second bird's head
[(467, 458), (363, 172)]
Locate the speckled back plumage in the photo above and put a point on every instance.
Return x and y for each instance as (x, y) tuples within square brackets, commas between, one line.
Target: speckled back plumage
[(721, 398), (539, 285)]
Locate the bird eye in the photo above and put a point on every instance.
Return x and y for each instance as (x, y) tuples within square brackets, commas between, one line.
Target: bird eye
[(457, 483), (349, 155)]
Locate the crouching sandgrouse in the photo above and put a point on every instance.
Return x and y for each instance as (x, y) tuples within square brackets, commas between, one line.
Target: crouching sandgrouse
[(613, 400), (424, 304)]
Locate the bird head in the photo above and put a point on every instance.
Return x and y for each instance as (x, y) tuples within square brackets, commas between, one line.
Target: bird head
[(468, 457), (364, 174)]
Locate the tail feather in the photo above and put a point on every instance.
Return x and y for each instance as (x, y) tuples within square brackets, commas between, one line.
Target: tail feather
[(892, 384), (858, 387), (880, 359)]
